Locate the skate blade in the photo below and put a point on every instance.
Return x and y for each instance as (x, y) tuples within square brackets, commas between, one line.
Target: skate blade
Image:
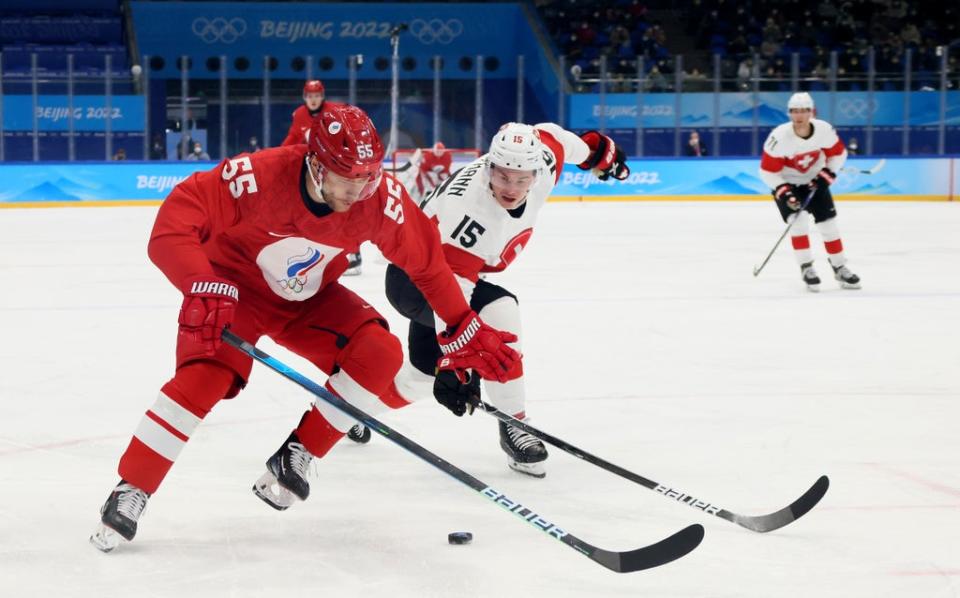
[(535, 470), (355, 271), (270, 491), (853, 286), (106, 539), (813, 288)]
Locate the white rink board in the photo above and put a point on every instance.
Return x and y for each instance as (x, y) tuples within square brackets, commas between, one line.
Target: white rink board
[(648, 342)]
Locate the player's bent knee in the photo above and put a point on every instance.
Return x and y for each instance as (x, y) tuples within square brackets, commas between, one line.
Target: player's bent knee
[(372, 357), (200, 385)]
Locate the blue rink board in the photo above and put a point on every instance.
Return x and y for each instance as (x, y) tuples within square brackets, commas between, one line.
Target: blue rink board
[(906, 178)]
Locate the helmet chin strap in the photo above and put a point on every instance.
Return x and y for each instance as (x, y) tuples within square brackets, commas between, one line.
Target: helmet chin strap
[(317, 187)]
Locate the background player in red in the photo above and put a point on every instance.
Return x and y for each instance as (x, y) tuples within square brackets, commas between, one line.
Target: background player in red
[(800, 157), (433, 167), (314, 98), (258, 244)]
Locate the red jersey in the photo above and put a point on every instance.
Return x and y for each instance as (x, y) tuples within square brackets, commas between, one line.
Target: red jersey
[(433, 170), (302, 120), (250, 220)]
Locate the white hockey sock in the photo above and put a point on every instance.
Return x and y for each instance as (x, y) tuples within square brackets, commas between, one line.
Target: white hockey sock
[(832, 242), (801, 240)]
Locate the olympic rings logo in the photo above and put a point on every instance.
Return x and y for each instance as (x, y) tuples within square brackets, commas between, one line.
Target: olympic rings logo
[(292, 285), (856, 108), (436, 30), (219, 29)]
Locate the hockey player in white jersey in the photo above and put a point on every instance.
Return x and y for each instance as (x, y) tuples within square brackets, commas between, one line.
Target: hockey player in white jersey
[(486, 213), (800, 157)]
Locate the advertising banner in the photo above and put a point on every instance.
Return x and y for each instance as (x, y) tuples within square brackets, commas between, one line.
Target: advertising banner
[(650, 179), (736, 109), (90, 113)]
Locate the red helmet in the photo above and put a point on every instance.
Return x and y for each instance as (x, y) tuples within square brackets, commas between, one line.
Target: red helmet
[(439, 148), (314, 86), (346, 143)]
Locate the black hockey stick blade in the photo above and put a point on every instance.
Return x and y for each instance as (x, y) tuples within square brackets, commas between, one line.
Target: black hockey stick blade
[(654, 555), (760, 523), (788, 514)]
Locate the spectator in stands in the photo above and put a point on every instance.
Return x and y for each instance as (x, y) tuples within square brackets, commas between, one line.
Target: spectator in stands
[(853, 147), (695, 146), (157, 150), (197, 153), (121, 154), (254, 145), (655, 81)]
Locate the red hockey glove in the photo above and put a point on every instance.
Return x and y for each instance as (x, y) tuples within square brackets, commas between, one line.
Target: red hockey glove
[(473, 345), (824, 178), (605, 159), (785, 194), (209, 304)]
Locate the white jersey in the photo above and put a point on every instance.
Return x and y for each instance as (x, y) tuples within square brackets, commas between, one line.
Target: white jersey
[(789, 158), (478, 235)]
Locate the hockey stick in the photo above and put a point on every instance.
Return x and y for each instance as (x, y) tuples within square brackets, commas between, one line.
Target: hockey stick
[(792, 219), (647, 557), (758, 523), (874, 170)]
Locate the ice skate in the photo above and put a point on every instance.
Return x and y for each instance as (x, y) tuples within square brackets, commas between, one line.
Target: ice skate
[(525, 452), (359, 434), (354, 261), (846, 278), (285, 481), (810, 277), (119, 516)]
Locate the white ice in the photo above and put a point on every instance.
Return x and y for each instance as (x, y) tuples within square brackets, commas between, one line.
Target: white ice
[(649, 343)]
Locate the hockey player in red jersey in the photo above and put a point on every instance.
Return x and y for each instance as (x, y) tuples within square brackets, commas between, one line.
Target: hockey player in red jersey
[(800, 157), (258, 244), (486, 213), (433, 168), (313, 101)]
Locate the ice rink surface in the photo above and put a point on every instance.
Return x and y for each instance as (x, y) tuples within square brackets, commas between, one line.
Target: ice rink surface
[(648, 342)]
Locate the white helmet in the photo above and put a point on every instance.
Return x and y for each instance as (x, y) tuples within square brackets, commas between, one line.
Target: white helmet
[(800, 100), (516, 146)]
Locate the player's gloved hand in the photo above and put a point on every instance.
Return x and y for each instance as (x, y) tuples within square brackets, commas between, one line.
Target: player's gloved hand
[(785, 194), (824, 178), (605, 159), (209, 304), (457, 396), (473, 345)]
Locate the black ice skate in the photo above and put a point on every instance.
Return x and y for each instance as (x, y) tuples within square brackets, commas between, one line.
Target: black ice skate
[(810, 277), (118, 516), (285, 481), (354, 261), (526, 453), (846, 278), (359, 434)]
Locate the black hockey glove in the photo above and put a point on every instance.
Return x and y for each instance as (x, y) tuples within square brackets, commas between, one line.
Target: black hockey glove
[(606, 159), (824, 179), (786, 195), (456, 396)]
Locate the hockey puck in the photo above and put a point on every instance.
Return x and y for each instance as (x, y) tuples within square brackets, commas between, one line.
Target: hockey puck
[(459, 538)]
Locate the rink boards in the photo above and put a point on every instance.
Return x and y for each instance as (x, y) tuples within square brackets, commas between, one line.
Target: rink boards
[(651, 179)]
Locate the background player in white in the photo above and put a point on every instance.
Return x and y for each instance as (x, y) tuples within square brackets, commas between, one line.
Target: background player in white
[(801, 156), (486, 213)]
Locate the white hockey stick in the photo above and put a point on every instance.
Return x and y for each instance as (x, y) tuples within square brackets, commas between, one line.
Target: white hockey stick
[(790, 220), (876, 168)]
